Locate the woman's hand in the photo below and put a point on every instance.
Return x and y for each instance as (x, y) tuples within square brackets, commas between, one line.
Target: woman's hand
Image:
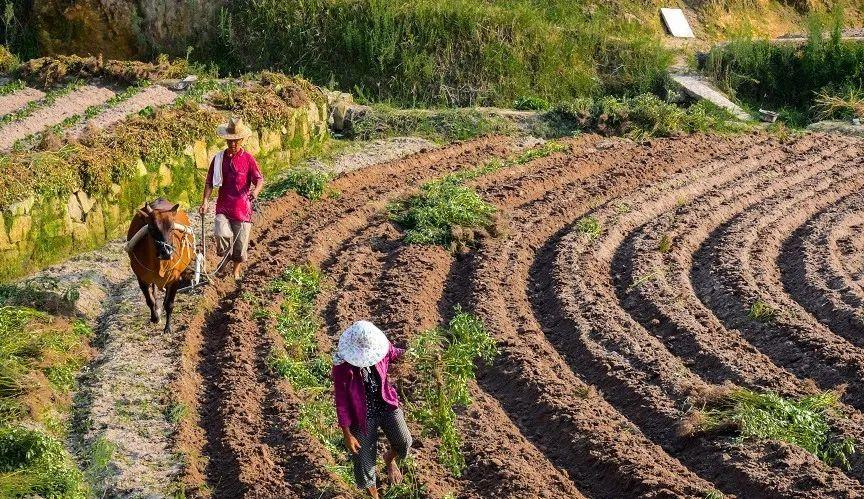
[(351, 441)]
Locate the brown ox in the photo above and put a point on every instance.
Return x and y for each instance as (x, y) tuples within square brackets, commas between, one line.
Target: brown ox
[(160, 254)]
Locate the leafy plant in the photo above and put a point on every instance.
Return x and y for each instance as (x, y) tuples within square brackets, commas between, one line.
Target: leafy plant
[(33, 462), (445, 362), (804, 422), (307, 182), (430, 216), (531, 103), (589, 226), (761, 311)]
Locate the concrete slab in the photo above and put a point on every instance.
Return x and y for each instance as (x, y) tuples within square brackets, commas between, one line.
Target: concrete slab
[(701, 88), (676, 23)]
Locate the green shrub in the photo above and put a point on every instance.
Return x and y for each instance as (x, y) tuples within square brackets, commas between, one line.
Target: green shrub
[(531, 103), (589, 226), (307, 182), (778, 76), (804, 422), (444, 359), (8, 60), (460, 52)]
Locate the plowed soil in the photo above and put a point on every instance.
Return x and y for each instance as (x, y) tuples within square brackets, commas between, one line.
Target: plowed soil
[(604, 339)]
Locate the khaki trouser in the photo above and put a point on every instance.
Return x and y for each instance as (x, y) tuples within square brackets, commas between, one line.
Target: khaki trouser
[(237, 243)]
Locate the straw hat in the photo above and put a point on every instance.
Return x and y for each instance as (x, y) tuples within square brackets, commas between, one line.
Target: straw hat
[(362, 344), (234, 129)]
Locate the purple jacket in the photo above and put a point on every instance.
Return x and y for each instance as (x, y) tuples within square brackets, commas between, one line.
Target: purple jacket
[(350, 395)]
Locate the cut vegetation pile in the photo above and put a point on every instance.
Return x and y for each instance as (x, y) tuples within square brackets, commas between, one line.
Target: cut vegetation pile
[(627, 278)]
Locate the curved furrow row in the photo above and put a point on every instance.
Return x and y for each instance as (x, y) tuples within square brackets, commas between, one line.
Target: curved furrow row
[(530, 379), (251, 421), (668, 307), (813, 271), (638, 374), (738, 263)]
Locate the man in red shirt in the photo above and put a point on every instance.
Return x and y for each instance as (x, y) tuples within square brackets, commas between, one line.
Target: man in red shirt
[(235, 172)]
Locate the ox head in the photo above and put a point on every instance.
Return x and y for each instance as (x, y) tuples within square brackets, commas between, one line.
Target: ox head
[(160, 224)]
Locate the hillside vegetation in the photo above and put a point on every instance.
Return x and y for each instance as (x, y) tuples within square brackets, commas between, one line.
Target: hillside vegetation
[(421, 52)]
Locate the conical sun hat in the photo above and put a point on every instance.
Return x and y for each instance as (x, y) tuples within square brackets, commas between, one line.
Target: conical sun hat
[(234, 129), (363, 344)]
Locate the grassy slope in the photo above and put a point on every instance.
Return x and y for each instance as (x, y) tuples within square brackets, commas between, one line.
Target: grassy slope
[(458, 52)]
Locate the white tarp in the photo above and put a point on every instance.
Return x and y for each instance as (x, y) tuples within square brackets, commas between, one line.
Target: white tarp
[(676, 23)]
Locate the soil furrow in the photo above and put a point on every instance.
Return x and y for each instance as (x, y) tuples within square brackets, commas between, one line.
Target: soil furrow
[(668, 307), (252, 438), (18, 99), (549, 402), (748, 272), (642, 379), (814, 275)]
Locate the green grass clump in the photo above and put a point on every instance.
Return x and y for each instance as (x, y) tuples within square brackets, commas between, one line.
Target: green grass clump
[(531, 103), (804, 422), (665, 244), (445, 362), (642, 116), (11, 87), (39, 357), (33, 462), (761, 311), (430, 216), (310, 183), (589, 226)]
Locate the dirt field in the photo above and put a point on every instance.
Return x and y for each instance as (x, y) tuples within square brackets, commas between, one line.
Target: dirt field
[(603, 340)]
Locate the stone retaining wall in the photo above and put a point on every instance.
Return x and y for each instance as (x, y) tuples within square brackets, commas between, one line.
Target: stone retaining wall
[(35, 233)]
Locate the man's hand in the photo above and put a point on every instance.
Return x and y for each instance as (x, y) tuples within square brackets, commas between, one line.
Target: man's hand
[(203, 208), (351, 442)]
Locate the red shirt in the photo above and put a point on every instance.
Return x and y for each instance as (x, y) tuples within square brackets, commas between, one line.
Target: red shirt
[(239, 173)]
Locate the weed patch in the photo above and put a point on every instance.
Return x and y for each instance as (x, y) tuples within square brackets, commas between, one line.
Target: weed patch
[(444, 359), (589, 226), (803, 422), (665, 244), (643, 116), (310, 183), (39, 356), (761, 311), (451, 214)]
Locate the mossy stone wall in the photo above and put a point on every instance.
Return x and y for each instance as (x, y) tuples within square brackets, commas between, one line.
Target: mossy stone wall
[(35, 233)]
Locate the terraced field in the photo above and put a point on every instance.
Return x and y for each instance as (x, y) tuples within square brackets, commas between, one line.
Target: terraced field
[(28, 113), (604, 336)]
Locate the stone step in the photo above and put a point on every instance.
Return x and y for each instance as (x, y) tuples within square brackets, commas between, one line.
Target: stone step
[(154, 95), (701, 88), (64, 107), (18, 99)]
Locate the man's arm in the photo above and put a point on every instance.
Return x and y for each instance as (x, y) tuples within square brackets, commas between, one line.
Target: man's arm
[(208, 190), (257, 178)]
